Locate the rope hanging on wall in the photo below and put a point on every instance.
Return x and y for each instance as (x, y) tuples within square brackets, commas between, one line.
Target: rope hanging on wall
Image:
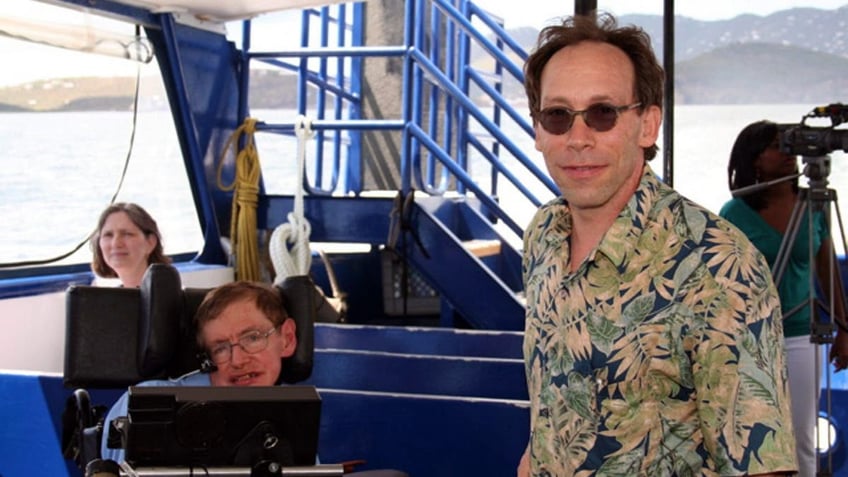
[(243, 233), (289, 244)]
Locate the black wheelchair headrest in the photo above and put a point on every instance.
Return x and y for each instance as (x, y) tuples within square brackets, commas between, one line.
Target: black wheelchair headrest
[(160, 318), (117, 337), (303, 302)]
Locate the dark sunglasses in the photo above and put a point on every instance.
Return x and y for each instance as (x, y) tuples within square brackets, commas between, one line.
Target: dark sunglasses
[(600, 117)]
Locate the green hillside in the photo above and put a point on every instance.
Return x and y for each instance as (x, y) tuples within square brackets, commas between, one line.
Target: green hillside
[(269, 90), (746, 73), (762, 73)]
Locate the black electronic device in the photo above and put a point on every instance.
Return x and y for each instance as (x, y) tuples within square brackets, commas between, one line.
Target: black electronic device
[(803, 140), (222, 426)]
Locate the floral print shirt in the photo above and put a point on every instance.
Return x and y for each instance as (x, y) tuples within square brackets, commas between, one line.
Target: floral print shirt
[(662, 354)]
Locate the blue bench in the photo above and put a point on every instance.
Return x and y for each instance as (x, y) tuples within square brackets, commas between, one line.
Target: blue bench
[(419, 374), (31, 435), (423, 435), (440, 341)]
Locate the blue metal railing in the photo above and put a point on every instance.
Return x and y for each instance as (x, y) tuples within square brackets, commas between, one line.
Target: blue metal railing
[(437, 110)]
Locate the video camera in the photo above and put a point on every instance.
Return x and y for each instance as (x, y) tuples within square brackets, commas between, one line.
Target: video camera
[(803, 140)]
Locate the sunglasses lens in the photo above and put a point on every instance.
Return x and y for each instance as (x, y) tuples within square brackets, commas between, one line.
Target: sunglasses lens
[(601, 117), (556, 120)]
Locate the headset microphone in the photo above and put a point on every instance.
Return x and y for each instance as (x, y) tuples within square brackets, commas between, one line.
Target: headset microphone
[(206, 364)]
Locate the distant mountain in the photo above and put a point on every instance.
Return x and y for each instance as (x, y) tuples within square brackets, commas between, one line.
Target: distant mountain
[(793, 56), (762, 73), (524, 36), (809, 28), (81, 94), (5, 108), (271, 89)]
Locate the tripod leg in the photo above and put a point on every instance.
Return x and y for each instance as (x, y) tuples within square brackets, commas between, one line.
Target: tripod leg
[(789, 238), (807, 386), (839, 319)]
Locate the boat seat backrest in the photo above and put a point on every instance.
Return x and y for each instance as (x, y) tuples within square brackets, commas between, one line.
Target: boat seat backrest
[(117, 337)]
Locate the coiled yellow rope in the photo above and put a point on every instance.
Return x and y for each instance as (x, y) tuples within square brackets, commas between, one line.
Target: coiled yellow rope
[(243, 232)]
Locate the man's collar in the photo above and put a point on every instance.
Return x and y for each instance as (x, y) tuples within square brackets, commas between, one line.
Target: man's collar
[(619, 239)]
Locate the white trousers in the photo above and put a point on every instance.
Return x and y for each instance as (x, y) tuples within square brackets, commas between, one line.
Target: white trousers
[(804, 365)]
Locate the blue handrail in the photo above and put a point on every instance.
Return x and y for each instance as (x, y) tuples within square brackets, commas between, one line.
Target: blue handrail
[(422, 136), (436, 82), (473, 110)]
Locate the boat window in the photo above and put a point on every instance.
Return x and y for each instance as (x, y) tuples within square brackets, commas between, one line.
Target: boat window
[(73, 138)]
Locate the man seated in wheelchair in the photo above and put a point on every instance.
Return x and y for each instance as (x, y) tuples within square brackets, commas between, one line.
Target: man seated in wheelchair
[(245, 333)]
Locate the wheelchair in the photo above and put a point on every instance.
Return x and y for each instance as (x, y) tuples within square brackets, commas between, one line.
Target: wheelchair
[(118, 337)]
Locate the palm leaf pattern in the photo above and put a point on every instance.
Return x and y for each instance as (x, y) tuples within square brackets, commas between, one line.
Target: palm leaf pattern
[(662, 354)]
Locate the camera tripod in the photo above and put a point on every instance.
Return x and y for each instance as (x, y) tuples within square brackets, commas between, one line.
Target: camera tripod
[(812, 201), (817, 198)]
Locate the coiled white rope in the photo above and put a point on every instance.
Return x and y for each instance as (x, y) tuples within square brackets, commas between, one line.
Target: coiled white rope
[(289, 245)]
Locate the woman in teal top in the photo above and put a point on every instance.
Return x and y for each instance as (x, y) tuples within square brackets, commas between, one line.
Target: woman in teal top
[(764, 215), (794, 287)]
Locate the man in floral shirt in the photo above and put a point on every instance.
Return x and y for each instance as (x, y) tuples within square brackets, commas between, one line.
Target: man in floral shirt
[(653, 339)]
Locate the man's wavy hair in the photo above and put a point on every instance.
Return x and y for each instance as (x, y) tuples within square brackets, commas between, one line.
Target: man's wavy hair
[(632, 40)]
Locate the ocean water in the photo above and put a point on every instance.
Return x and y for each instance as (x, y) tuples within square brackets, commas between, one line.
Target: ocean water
[(59, 170)]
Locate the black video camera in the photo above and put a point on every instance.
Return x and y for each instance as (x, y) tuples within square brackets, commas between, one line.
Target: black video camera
[(803, 140)]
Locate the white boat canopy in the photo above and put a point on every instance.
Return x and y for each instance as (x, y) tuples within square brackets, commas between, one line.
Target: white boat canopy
[(40, 22), (224, 10)]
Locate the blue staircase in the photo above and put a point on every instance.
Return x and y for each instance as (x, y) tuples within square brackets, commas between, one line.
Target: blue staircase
[(445, 226), (457, 247)]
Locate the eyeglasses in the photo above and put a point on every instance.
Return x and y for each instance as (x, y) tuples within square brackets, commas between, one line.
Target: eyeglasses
[(601, 117), (251, 342)]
